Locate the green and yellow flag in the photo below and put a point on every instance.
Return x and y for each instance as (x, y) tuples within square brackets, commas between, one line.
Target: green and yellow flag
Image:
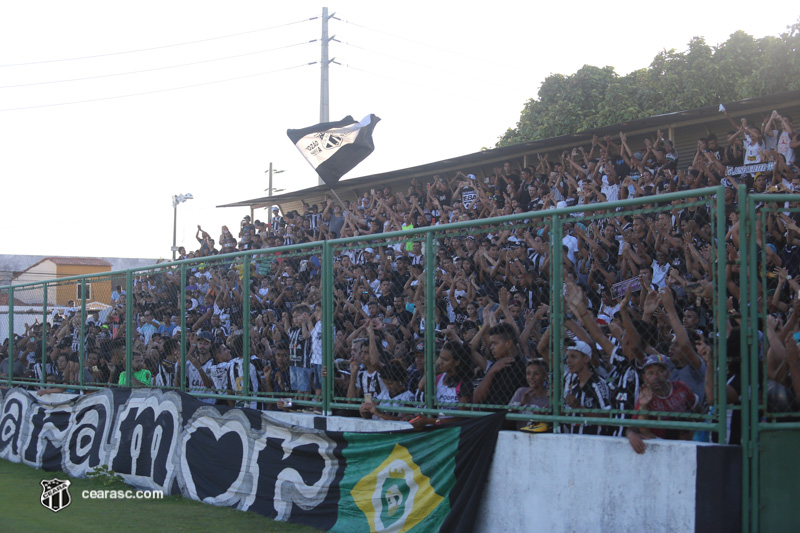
[(416, 481)]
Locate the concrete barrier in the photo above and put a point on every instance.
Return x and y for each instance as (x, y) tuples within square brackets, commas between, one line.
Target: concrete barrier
[(575, 483)]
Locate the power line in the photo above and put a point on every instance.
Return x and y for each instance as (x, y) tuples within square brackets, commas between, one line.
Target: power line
[(156, 68), (426, 87), (159, 90), (159, 47), (437, 69), (468, 56)]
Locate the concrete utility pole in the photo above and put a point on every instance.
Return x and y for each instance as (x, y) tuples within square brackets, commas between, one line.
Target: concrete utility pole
[(324, 95)]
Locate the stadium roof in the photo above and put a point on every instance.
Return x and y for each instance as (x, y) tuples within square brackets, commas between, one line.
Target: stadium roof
[(483, 161)]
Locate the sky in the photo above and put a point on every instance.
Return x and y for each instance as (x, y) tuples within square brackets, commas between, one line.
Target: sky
[(109, 108)]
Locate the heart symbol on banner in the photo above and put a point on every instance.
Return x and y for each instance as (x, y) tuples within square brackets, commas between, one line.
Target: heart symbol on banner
[(215, 463)]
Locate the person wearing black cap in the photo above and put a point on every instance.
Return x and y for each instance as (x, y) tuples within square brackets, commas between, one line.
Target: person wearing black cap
[(468, 330), (661, 395)]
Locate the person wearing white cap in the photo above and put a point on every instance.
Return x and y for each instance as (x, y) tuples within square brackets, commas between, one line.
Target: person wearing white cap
[(583, 387), (278, 222)]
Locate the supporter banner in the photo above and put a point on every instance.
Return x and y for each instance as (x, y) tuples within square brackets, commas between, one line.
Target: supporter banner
[(392, 481), (335, 148), (750, 169)]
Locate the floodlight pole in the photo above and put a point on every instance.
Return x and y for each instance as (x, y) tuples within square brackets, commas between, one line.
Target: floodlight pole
[(174, 226), (269, 209), (270, 190)]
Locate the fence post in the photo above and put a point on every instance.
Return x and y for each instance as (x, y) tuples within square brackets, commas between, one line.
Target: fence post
[(246, 264), (743, 364), (430, 321), (722, 322), (129, 328), (752, 356), (556, 318), (182, 362), (326, 286), (11, 354), (82, 347), (42, 375)]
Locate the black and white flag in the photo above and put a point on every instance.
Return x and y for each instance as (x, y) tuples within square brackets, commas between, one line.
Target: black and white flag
[(334, 148)]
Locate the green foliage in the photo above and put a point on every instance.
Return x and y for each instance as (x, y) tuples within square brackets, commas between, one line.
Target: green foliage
[(21, 489), (103, 474), (741, 67)]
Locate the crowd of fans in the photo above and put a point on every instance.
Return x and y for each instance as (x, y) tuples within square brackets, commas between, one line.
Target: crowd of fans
[(638, 294)]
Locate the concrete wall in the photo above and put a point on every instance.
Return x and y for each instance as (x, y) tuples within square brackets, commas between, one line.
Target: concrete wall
[(564, 483), (574, 483)]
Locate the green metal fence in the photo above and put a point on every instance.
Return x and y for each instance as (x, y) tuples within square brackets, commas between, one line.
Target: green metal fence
[(186, 290), (343, 285), (771, 376)]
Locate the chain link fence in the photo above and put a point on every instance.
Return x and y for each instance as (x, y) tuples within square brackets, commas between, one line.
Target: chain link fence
[(642, 316), (379, 324), (556, 316), (774, 276)]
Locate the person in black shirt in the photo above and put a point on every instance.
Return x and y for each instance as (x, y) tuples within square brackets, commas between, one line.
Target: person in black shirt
[(583, 387), (507, 372)]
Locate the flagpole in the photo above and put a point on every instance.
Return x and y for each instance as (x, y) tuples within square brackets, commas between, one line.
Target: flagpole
[(340, 200)]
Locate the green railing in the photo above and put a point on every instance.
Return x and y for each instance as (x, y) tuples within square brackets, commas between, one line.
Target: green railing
[(164, 286), (771, 373), (766, 365), (335, 288)]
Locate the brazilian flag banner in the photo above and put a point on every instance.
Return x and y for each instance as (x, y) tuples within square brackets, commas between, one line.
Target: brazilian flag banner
[(416, 481), (396, 481)]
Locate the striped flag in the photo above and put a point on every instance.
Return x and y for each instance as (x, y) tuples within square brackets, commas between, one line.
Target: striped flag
[(335, 148)]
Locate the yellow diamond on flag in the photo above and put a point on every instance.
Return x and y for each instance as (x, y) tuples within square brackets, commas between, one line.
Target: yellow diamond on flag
[(396, 496)]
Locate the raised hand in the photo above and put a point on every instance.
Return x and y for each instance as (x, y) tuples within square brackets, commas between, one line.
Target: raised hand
[(645, 397)]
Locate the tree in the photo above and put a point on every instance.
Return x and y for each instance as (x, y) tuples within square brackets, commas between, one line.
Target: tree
[(566, 104), (742, 67)]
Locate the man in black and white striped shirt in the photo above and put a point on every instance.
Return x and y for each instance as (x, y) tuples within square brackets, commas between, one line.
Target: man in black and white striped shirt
[(236, 372), (299, 348), (584, 388)]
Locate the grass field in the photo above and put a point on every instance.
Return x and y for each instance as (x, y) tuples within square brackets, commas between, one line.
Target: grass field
[(20, 492)]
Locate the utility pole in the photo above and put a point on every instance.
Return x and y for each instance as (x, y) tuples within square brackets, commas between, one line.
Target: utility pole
[(324, 96)]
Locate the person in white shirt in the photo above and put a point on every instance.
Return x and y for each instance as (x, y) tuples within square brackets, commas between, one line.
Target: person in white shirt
[(660, 268)]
